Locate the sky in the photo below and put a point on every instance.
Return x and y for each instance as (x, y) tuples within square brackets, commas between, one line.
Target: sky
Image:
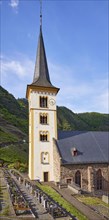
[(76, 41)]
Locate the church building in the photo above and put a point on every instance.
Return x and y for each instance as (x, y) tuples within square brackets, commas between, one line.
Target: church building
[(72, 157)]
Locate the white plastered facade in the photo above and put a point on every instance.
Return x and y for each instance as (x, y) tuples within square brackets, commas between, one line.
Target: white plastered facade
[(36, 147)]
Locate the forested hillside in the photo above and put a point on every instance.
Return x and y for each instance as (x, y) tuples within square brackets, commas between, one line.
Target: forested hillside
[(68, 120), (14, 126), (14, 119)]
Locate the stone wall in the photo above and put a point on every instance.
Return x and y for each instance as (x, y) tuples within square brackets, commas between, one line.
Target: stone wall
[(105, 199), (56, 163), (88, 175)]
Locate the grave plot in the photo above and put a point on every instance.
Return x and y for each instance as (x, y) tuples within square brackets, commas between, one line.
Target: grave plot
[(21, 207), (50, 205)]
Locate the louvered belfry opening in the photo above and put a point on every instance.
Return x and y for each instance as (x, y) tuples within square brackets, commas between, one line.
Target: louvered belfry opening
[(43, 102)]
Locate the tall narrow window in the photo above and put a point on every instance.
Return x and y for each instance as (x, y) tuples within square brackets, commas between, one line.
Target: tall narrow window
[(44, 136), (43, 102), (99, 180), (43, 118), (78, 178)]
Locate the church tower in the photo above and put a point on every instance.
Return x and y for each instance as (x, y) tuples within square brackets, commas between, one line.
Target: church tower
[(41, 95)]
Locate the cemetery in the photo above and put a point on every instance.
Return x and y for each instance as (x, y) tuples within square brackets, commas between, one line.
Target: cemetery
[(50, 206), (19, 203)]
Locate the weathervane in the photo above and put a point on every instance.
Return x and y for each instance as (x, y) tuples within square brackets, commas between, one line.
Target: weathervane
[(41, 13)]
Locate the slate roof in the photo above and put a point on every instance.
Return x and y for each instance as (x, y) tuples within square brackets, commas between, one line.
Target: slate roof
[(41, 73), (66, 134), (92, 147)]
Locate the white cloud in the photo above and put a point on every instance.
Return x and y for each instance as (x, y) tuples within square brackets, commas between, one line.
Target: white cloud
[(16, 73), (20, 68), (78, 95), (14, 5)]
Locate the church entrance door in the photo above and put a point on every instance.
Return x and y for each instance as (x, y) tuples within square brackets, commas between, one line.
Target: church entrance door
[(45, 176)]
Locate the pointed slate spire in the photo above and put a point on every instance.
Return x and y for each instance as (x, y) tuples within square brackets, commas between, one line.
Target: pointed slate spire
[(41, 73)]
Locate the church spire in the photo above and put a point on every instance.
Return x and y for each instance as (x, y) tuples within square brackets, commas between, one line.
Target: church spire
[(41, 73)]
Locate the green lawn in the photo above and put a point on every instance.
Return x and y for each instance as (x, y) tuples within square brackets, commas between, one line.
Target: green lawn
[(4, 197), (91, 200), (51, 192)]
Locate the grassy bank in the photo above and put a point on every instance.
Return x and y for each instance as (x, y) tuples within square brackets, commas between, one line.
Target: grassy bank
[(51, 192), (91, 200)]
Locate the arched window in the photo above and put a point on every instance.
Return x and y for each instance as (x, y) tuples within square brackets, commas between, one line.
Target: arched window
[(43, 102), (44, 136), (43, 118), (99, 180), (78, 178), (45, 157)]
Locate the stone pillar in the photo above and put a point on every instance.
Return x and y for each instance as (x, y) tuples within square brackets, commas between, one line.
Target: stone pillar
[(90, 179), (105, 179)]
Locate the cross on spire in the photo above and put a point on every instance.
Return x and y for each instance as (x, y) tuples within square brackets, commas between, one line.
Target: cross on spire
[(40, 13)]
